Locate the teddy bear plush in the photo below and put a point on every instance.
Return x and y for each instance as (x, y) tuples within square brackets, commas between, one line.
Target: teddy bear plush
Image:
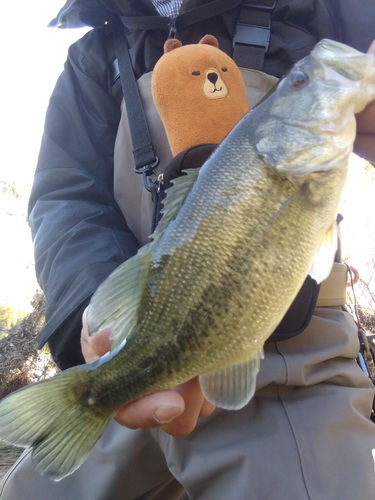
[(199, 93)]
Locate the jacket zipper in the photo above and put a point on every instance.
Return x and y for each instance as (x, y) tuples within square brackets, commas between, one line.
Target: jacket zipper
[(172, 28), (157, 198)]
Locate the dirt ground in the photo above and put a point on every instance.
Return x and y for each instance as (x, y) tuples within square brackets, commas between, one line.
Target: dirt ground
[(8, 455)]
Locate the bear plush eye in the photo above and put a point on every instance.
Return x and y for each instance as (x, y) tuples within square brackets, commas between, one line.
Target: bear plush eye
[(196, 73), (224, 70)]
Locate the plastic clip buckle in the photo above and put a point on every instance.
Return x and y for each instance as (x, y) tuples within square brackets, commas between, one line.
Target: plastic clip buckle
[(147, 171), (247, 34), (251, 34), (260, 7)]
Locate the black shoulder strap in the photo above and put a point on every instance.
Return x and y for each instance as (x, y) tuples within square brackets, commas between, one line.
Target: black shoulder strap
[(253, 31), (145, 159)]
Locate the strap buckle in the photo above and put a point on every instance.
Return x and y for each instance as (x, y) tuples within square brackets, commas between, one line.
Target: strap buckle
[(147, 171), (261, 7), (252, 35), (255, 34)]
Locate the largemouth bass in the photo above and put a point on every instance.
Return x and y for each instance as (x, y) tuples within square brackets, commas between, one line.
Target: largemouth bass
[(237, 240)]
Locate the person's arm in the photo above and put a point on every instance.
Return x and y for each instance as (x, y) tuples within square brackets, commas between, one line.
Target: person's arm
[(364, 144), (79, 233)]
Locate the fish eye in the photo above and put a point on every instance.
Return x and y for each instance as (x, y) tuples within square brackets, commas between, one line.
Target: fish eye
[(297, 78)]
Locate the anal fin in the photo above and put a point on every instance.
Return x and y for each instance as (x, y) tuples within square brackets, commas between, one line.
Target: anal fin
[(232, 387)]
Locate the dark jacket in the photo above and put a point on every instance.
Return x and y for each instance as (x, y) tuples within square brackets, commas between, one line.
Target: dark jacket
[(80, 235)]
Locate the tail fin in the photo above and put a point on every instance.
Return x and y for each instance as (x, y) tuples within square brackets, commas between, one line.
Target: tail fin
[(47, 417)]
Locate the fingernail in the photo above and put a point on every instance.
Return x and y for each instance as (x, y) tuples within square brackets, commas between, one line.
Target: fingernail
[(165, 414)]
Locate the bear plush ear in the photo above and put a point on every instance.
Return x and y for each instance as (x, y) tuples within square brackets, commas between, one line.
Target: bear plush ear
[(172, 44), (210, 40), (199, 93)]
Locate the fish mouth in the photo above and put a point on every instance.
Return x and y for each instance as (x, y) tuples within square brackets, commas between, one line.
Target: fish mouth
[(334, 49), (328, 127), (343, 62), (331, 50)]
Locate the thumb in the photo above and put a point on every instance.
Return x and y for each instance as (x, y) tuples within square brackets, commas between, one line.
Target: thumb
[(100, 342), (93, 347), (371, 49)]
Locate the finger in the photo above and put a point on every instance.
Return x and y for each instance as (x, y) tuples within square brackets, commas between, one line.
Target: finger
[(175, 411), (194, 400), (364, 146), (101, 343), (154, 410), (207, 409), (371, 49), (95, 346)]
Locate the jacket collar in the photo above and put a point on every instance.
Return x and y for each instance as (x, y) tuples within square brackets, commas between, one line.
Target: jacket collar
[(96, 13)]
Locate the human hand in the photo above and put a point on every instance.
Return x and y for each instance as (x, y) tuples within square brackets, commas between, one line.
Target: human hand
[(364, 144), (176, 411)]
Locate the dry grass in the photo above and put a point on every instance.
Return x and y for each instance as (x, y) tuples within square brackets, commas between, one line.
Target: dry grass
[(21, 363), (367, 320), (8, 455)]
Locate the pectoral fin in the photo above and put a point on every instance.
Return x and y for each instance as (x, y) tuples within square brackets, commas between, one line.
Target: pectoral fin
[(115, 303), (232, 387), (323, 261)]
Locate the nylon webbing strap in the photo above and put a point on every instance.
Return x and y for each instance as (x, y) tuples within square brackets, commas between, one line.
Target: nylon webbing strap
[(253, 31), (143, 149)]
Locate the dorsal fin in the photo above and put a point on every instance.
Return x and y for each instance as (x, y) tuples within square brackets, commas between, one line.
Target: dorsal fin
[(176, 196)]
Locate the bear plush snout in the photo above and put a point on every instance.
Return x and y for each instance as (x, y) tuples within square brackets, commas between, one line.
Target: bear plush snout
[(214, 86)]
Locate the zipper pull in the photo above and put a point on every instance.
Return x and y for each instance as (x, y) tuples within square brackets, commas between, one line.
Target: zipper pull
[(172, 28), (157, 198)]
